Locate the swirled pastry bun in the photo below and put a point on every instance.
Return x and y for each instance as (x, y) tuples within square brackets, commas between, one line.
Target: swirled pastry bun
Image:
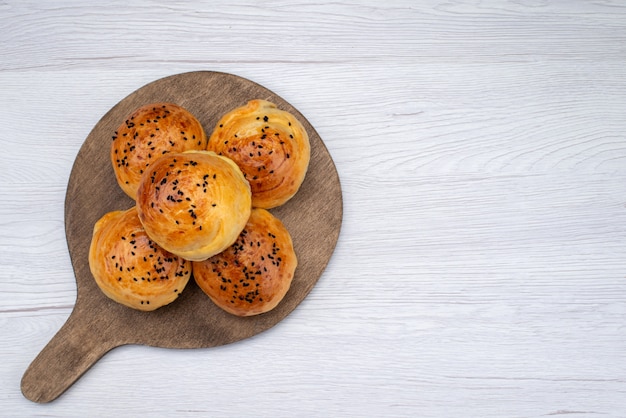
[(148, 133), (269, 145), (130, 268), (253, 275), (193, 204)]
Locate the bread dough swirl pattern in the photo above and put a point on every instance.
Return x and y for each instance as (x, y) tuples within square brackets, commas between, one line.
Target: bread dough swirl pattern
[(254, 274), (148, 133), (270, 146), (193, 204), (132, 269)]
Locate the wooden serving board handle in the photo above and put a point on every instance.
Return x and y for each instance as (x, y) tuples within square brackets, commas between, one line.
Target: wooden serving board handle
[(81, 342)]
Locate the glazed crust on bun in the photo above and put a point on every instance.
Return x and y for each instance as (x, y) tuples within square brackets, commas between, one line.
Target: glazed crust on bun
[(130, 268), (193, 204), (269, 145), (253, 275), (149, 132)]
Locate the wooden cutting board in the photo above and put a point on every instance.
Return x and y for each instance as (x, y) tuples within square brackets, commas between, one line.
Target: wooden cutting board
[(97, 324)]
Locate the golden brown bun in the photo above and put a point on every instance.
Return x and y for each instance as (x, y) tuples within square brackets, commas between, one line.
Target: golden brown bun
[(269, 145), (253, 275), (194, 204), (149, 132), (130, 268)]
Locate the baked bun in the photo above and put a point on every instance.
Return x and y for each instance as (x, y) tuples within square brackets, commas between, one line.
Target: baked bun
[(193, 204), (253, 275), (130, 268), (269, 145), (149, 132)]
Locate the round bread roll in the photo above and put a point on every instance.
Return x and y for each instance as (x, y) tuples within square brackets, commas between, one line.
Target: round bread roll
[(130, 268), (253, 275), (193, 204), (148, 133), (269, 145)]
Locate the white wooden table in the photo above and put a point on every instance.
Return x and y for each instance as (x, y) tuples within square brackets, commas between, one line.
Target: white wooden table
[(481, 146)]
